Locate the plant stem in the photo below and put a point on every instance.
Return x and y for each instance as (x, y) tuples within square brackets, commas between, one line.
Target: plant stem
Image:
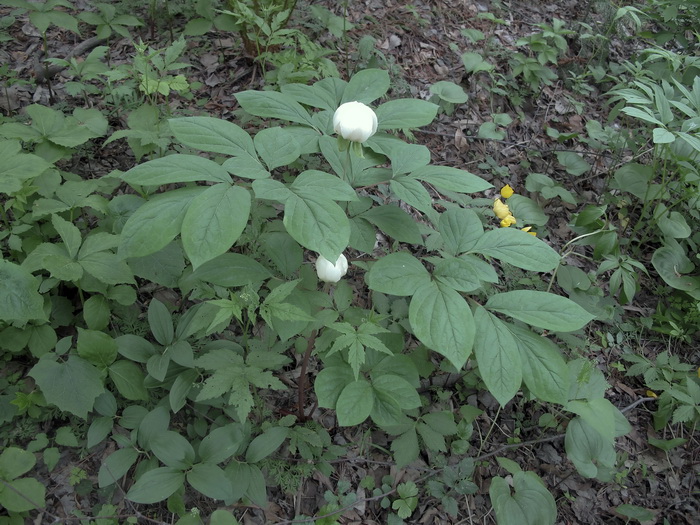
[(302, 376)]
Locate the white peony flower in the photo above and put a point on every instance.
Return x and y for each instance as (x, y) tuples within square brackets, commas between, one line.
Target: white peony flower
[(329, 272), (355, 121)]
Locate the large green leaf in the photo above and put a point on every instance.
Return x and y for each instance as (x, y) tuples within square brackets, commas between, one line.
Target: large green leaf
[(441, 319), (540, 309), (497, 355), (518, 248), (529, 504), (128, 377), (156, 485), (21, 495), (460, 229), (266, 443), (14, 462), (176, 168), (322, 184), (412, 192), (107, 267), (19, 298), (156, 223), (672, 264), (451, 179), (599, 413), (212, 134), (355, 403), (276, 147), (464, 274), (398, 274), (318, 224), (173, 449), (116, 465), (406, 113), (272, 104), (231, 270), (593, 456), (210, 480), (395, 222), (330, 382), (214, 221), (544, 370), (72, 385), (366, 86)]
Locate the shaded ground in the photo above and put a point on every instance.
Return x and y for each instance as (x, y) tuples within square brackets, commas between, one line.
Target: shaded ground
[(421, 44)]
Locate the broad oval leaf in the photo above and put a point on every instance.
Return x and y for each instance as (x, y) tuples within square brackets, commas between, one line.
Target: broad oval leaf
[(266, 443), (157, 222), (518, 248), (214, 221), (276, 146), (19, 298), (212, 134), (156, 485), (451, 179), (529, 504), (460, 229), (497, 355), (210, 480), (176, 168), (591, 454), (544, 370), (406, 113), (398, 273), (232, 269), (330, 382), (172, 449), (272, 104), (366, 86), (540, 309), (442, 320), (355, 403), (318, 224)]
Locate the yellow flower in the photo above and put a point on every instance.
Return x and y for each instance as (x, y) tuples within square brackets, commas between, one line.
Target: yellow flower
[(651, 394), (506, 191), (501, 210), (508, 221), (527, 229)]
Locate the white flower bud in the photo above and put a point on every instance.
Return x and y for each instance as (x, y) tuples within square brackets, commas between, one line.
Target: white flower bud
[(329, 272), (355, 121)]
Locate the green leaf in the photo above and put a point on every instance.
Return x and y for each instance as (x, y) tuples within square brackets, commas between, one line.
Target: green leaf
[(210, 480), (70, 234), (214, 221), (22, 495), (156, 223), (128, 377), (318, 224), (174, 169), (573, 162), (451, 179), (330, 382), (518, 248), (540, 309), (156, 485), (366, 86), (405, 114), (222, 517), (591, 454), (116, 465), (160, 322), (19, 299), (398, 273), (599, 413), (172, 449), (213, 135), (449, 92), (321, 184), (355, 403), (271, 104), (412, 192), (14, 462), (221, 443), (232, 270), (72, 386), (672, 264), (107, 267), (405, 448), (266, 443), (545, 372), (99, 430), (277, 147), (397, 387), (441, 319), (96, 312), (394, 222), (98, 348), (635, 512), (529, 504), (464, 274), (497, 355), (460, 228)]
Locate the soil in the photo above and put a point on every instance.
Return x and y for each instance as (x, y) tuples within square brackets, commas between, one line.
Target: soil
[(421, 43)]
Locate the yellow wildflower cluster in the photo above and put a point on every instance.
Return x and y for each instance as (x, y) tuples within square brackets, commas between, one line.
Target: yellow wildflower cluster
[(503, 212)]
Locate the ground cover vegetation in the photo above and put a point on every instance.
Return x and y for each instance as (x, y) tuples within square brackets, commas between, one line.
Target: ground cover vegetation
[(271, 261)]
